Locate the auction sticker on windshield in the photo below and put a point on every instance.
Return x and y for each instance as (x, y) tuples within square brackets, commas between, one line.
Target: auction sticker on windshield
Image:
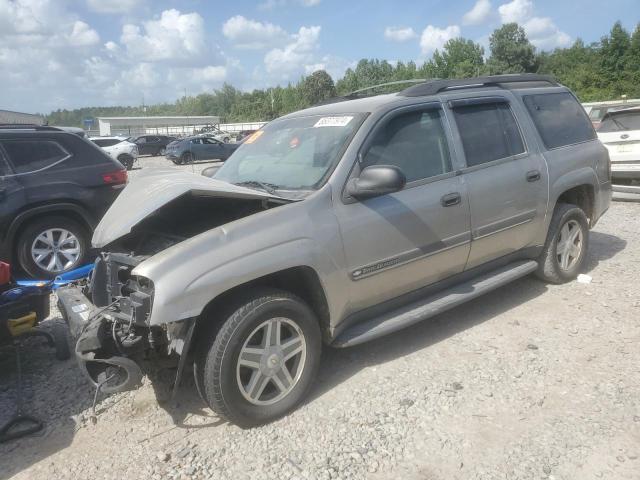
[(333, 121)]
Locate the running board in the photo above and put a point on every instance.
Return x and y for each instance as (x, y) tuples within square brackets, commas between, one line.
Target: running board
[(433, 305)]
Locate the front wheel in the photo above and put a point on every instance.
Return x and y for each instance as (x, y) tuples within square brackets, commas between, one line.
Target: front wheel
[(186, 158), (262, 361), (566, 247)]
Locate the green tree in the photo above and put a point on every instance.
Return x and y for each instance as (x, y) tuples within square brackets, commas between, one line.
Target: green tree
[(460, 58), (511, 51), (317, 87)]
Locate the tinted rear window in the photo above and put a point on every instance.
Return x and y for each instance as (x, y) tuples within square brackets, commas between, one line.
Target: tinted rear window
[(620, 122), (488, 132), (31, 155), (106, 142), (559, 118)]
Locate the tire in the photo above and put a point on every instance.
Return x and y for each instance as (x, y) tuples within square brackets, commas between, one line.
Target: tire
[(225, 383), (550, 268), (59, 333), (37, 229), (161, 152), (126, 161), (226, 139), (186, 158)]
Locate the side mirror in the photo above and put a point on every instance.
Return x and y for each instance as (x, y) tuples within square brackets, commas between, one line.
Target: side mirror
[(210, 171), (376, 180)]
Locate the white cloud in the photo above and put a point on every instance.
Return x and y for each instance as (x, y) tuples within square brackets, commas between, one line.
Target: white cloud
[(289, 59), (82, 35), (434, 38), (544, 34), (516, 11), (51, 58), (271, 4), (399, 34), (113, 6), (480, 12), (250, 34), (333, 65), (174, 37), (541, 31)]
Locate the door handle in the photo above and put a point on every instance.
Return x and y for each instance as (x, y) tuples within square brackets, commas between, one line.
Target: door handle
[(450, 199), (533, 176)]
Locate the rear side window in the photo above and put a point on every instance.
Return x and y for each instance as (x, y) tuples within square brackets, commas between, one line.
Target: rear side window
[(106, 142), (415, 142), (488, 131), (620, 122), (32, 155), (559, 118)]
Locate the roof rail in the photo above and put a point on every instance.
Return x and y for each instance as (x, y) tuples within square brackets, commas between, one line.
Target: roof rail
[(25, 126), (436, 86), (359, 93)]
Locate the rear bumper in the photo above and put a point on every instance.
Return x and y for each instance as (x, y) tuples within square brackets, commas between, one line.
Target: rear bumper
[(626, 192), (626, 170)]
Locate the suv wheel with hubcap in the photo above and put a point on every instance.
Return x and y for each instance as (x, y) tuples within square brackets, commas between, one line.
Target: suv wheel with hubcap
[(261, 362), (566, 246)]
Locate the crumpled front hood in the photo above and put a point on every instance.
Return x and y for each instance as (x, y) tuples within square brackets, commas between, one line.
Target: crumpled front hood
[(153, 188)]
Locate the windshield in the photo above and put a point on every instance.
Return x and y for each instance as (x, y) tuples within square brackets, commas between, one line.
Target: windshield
[(620, 122), (291, 154)]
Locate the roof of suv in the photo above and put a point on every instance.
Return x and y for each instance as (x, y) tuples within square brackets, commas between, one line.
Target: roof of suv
[(351, 103)]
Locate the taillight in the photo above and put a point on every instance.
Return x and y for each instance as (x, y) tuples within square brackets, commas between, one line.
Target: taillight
[(5, 273), (118, 177)]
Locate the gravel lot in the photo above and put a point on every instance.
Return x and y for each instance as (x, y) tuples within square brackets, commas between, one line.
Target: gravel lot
[(529, 382)]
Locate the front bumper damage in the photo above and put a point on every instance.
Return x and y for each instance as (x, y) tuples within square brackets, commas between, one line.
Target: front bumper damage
[(109, 318)]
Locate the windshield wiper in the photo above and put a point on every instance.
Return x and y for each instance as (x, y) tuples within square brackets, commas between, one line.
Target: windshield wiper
[(270, 188)]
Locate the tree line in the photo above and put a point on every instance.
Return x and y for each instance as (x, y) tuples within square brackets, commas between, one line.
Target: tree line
[(603, 70)]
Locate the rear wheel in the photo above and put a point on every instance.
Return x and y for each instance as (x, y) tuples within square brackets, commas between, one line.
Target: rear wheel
[(226, 139), (162, 152), (262, 361), (126, 161), (50, 246), (566, 246)]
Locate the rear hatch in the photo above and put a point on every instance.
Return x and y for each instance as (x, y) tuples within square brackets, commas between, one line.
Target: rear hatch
[(620, 133)]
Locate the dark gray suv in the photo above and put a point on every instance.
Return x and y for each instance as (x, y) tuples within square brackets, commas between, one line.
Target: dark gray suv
[(339, 224), (54, 188)]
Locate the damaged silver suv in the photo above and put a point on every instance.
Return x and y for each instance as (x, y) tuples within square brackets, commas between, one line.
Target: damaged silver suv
[(337, 225)]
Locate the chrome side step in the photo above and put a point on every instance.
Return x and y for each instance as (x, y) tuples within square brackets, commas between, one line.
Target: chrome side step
[(434, 304)]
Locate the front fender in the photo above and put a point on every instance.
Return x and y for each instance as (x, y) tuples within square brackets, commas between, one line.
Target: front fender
[(174, 300)]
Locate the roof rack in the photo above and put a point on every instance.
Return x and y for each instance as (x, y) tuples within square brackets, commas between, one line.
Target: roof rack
[(360, 93), (24, 126), (432, 87)]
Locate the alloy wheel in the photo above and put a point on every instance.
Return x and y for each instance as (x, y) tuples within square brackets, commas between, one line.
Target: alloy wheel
[(55, 250), (271, 361), (569, 246)]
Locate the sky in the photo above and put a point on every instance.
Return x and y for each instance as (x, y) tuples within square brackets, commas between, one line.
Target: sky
[(74, 53)]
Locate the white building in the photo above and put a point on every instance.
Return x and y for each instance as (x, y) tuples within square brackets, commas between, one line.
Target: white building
[(174, 125), (7, 116)]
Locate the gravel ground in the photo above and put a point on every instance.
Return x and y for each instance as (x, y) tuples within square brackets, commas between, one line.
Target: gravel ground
[(529, 382)]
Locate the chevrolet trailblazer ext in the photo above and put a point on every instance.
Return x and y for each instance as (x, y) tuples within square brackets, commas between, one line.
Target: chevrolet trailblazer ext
[(338, 224)]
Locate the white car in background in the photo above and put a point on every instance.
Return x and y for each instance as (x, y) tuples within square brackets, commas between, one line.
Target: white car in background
[(619, 131), (120, 148)]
